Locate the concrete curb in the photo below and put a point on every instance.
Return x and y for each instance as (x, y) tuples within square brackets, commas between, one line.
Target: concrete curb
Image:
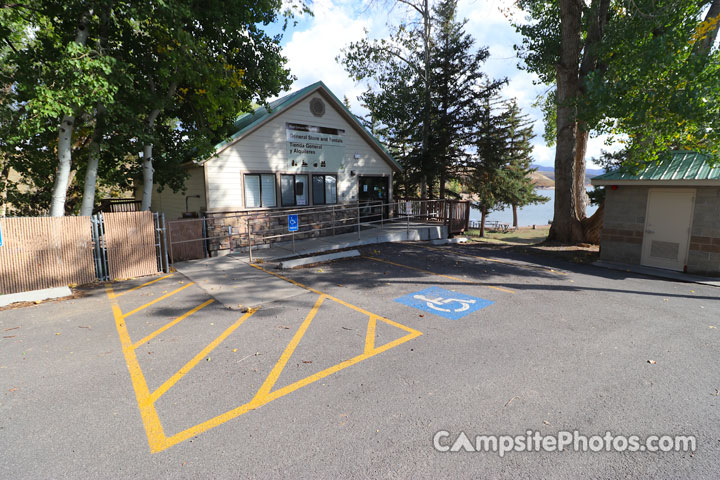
[(658, 273), (35, 295), (288, 264), (445, 241)]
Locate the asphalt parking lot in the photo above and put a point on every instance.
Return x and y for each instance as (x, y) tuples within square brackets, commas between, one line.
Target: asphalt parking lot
[(355, 374)]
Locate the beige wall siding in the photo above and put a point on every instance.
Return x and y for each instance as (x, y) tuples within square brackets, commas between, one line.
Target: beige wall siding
[(265, 151), (173, 204)]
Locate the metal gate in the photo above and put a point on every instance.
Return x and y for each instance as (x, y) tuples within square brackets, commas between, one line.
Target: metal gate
[(129, 244)]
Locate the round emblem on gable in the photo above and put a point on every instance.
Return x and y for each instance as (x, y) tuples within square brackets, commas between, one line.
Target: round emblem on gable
[(317, 107)]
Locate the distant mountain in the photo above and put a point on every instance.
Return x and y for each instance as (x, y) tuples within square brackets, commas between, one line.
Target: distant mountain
[(589, 172), (549, 172)]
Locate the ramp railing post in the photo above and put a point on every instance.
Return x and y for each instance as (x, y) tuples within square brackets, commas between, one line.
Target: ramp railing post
[(358, 220), (247, 228)]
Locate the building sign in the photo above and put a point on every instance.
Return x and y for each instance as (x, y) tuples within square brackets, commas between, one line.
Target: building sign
[(315, 148)]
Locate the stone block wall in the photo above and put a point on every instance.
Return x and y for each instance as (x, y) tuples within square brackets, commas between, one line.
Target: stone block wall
[(623, 224), (704, 255)]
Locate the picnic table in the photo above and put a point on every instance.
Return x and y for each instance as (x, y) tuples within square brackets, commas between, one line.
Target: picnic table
[(499, 226)]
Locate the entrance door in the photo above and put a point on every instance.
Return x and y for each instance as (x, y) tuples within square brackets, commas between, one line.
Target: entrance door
[(373, 193), (667, 228)]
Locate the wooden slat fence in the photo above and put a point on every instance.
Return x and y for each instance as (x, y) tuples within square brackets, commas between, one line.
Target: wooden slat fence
[(130, 240), (45, 252)]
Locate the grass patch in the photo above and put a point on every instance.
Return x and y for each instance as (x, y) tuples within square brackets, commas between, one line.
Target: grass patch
[(521, 236)]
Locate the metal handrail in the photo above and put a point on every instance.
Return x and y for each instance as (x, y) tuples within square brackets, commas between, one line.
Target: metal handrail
[(349, 215)]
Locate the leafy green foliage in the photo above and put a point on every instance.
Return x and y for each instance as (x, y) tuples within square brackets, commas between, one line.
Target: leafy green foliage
[(197, 64)]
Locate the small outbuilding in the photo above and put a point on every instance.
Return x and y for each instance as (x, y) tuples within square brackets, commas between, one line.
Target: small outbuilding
[(667, 215), (305, 150)]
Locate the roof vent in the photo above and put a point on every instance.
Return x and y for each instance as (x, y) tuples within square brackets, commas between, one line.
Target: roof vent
[(317, 107)]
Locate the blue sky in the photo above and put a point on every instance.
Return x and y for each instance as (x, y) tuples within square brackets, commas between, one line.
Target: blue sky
[(312, 45)]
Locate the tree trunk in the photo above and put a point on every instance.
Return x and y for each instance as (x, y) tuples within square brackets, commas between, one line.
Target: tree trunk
[(592, 226), (4, 178), (515, 215), (148, 171), (65, 132), (566, 225), (88, 201), (442, 185), (704, 45), (581, 198), (483, 214), (147, 166)]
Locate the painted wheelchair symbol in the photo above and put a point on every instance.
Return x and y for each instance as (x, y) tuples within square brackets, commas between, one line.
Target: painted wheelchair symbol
[(435, 303)]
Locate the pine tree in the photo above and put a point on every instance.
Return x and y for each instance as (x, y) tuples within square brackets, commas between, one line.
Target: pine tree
[(459, 91), (520, 189), (488, 176)]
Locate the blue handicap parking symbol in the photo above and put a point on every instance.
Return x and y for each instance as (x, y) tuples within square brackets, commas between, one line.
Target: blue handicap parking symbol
[(293, 223), (446, 303)]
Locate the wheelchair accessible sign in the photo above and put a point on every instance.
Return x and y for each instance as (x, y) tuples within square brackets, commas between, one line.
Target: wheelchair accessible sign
[(448, 304)]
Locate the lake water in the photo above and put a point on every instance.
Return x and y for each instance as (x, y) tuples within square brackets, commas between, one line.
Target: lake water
[(540, 214)]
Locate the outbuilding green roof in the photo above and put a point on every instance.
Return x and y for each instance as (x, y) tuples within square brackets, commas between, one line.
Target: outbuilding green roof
[(675, 166)]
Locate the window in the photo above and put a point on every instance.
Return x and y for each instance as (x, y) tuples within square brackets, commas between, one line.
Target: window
[(324, 189), (260, 190), (294, 190)]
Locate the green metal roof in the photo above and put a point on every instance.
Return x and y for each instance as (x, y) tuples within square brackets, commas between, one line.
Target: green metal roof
[(675, 165), (249, 121)]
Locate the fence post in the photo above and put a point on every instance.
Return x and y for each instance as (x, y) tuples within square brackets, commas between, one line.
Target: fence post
[(103, 248), (164, 237), (382, 216), (247, 222), (407, 222)]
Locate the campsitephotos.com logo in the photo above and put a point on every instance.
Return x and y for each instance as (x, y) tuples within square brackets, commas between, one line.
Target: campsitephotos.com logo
[(534, 441)]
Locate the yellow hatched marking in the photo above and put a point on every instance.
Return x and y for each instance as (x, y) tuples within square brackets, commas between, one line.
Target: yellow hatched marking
[(259, 401), (157, 440), (115, 295), (197, 358), (370, 335), (167, 295), (334, 299), (172, 323), (151, 421), (504, 262), (464, 280), (289, 350)]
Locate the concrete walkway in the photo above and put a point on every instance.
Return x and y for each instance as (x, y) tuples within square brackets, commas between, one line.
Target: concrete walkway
[(368, 235), (659, 272), (231, 279)]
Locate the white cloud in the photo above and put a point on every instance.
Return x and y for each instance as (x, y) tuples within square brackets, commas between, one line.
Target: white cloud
[(312, 47), (311, 52)]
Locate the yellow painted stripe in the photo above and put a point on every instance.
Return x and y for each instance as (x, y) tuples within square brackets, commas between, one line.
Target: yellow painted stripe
[(258, 402), (133, 312), (173, 323), (329, 371), (505, 262), (464, 280), (115, 295), (151, 421), (370, 335), (334, 299), (280, 365), (197, 358)]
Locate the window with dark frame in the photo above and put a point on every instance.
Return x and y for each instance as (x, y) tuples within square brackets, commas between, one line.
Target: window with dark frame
[(294, 190), (259, 190), (324, 189)]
